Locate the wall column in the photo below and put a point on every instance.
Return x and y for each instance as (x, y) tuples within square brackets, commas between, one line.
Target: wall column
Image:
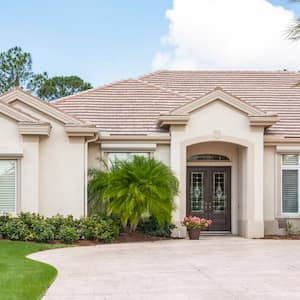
[(178, 166), (30, 174), (254, 192)]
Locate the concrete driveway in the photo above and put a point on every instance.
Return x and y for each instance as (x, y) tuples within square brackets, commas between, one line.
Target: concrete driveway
[(211, 268)]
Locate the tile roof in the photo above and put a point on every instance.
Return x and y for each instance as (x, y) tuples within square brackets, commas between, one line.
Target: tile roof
[(133, 105), (129, 106)]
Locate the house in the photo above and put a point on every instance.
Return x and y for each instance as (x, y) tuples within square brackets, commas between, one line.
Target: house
[(231, 137)]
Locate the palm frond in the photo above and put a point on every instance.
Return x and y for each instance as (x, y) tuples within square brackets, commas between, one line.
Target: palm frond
[(293, 32), (135, 189)]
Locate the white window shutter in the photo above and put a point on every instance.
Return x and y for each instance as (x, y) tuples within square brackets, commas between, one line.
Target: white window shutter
[(8, 184)]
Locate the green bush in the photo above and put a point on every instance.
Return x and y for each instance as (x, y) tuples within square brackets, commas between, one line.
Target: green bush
[(15, 229), (105, 232), (68, 234), (3, 220), (43, 231), (30, 218), (151, 227), (99, 228), (33, 227), (56, 221), (135, 189)]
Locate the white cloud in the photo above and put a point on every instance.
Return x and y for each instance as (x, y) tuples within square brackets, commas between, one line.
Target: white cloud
[(227, 34)]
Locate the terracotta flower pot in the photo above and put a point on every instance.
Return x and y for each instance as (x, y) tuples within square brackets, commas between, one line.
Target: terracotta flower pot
[(194, 233)]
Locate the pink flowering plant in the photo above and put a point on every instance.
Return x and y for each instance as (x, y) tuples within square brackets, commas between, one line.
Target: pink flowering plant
[(192, 222)]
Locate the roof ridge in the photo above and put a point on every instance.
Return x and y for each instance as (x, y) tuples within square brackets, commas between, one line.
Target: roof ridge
[(150, 74), (170, 91), (221, 71), (59, 100)]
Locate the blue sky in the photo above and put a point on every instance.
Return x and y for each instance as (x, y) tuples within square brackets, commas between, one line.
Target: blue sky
[(99, 40)]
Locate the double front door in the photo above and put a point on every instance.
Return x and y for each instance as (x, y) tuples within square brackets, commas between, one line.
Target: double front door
[(209, 195)]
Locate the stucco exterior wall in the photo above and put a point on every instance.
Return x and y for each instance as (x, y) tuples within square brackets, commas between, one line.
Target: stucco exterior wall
[(51, 169), (220, 122), (162, 153), (10, 138), (62, 174)]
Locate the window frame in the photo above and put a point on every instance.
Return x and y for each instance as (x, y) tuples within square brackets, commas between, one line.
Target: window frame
[(289, 167), (16, 188), (131, 151)]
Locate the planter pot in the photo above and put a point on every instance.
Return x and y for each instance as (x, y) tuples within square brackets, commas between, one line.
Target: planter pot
[(194, 233)]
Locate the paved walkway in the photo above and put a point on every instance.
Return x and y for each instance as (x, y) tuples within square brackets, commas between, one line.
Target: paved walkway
[(211, 268)]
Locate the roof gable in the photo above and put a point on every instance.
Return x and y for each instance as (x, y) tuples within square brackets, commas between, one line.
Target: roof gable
[(15, 114), (221, 95), (38, 104), (180, 116)]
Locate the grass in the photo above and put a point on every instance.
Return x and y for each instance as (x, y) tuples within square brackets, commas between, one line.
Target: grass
[(20, 277)]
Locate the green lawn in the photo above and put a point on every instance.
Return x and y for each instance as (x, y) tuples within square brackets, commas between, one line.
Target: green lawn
[(20, 277)]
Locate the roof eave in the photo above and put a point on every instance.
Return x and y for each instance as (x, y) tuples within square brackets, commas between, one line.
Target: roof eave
[(263, 121)]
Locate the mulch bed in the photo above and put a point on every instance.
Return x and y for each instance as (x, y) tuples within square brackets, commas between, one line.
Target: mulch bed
[(132, 237), (282, 237)]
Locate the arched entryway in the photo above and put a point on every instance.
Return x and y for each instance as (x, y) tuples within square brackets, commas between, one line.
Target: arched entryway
[(215, 184)]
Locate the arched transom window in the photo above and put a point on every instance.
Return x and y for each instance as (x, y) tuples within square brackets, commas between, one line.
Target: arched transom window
[(208, 157)]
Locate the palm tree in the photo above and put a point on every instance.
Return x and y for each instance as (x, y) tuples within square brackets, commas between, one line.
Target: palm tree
[(135, 190), (294, 32)]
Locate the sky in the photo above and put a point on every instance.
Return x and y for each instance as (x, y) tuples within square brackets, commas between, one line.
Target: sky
[(103, 41)]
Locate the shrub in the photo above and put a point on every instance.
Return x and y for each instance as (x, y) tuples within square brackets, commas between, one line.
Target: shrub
[(151, 227), (56, 221), (3, 220), (135, 189), (87, 228), (99, 228), (33, 227), (30, 218), (105, 231), (68, 234), (16, 229), (43, 231)]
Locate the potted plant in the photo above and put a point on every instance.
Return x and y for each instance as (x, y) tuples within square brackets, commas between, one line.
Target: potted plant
[(194, 226)]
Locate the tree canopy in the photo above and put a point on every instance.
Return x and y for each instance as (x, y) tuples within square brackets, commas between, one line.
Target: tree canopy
[(58, 86), (16, 71), (294, 31)]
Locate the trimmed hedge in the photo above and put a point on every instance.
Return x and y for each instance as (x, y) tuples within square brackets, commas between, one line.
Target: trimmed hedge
[(34, 227)]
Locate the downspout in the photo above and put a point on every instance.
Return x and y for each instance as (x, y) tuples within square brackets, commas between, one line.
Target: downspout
[(85, 201)]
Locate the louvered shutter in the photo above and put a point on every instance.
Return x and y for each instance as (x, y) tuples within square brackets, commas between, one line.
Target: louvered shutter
[(8, 181), (290, 191)]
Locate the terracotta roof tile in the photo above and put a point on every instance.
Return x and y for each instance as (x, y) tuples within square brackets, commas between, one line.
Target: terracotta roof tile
[(133, 105)]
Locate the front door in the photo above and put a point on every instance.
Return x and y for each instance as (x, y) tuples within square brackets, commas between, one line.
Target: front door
[(209, 195)]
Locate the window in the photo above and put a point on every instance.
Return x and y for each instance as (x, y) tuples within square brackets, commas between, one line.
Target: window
[(208, 157), (290, 184), (112, 157), (8, 185)]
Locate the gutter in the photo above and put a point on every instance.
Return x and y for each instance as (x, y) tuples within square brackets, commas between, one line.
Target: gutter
[(85, 200)]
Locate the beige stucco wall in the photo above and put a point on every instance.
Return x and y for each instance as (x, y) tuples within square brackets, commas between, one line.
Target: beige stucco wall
[(51, 171), (220, 122), (272, 193), (9, 133)]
